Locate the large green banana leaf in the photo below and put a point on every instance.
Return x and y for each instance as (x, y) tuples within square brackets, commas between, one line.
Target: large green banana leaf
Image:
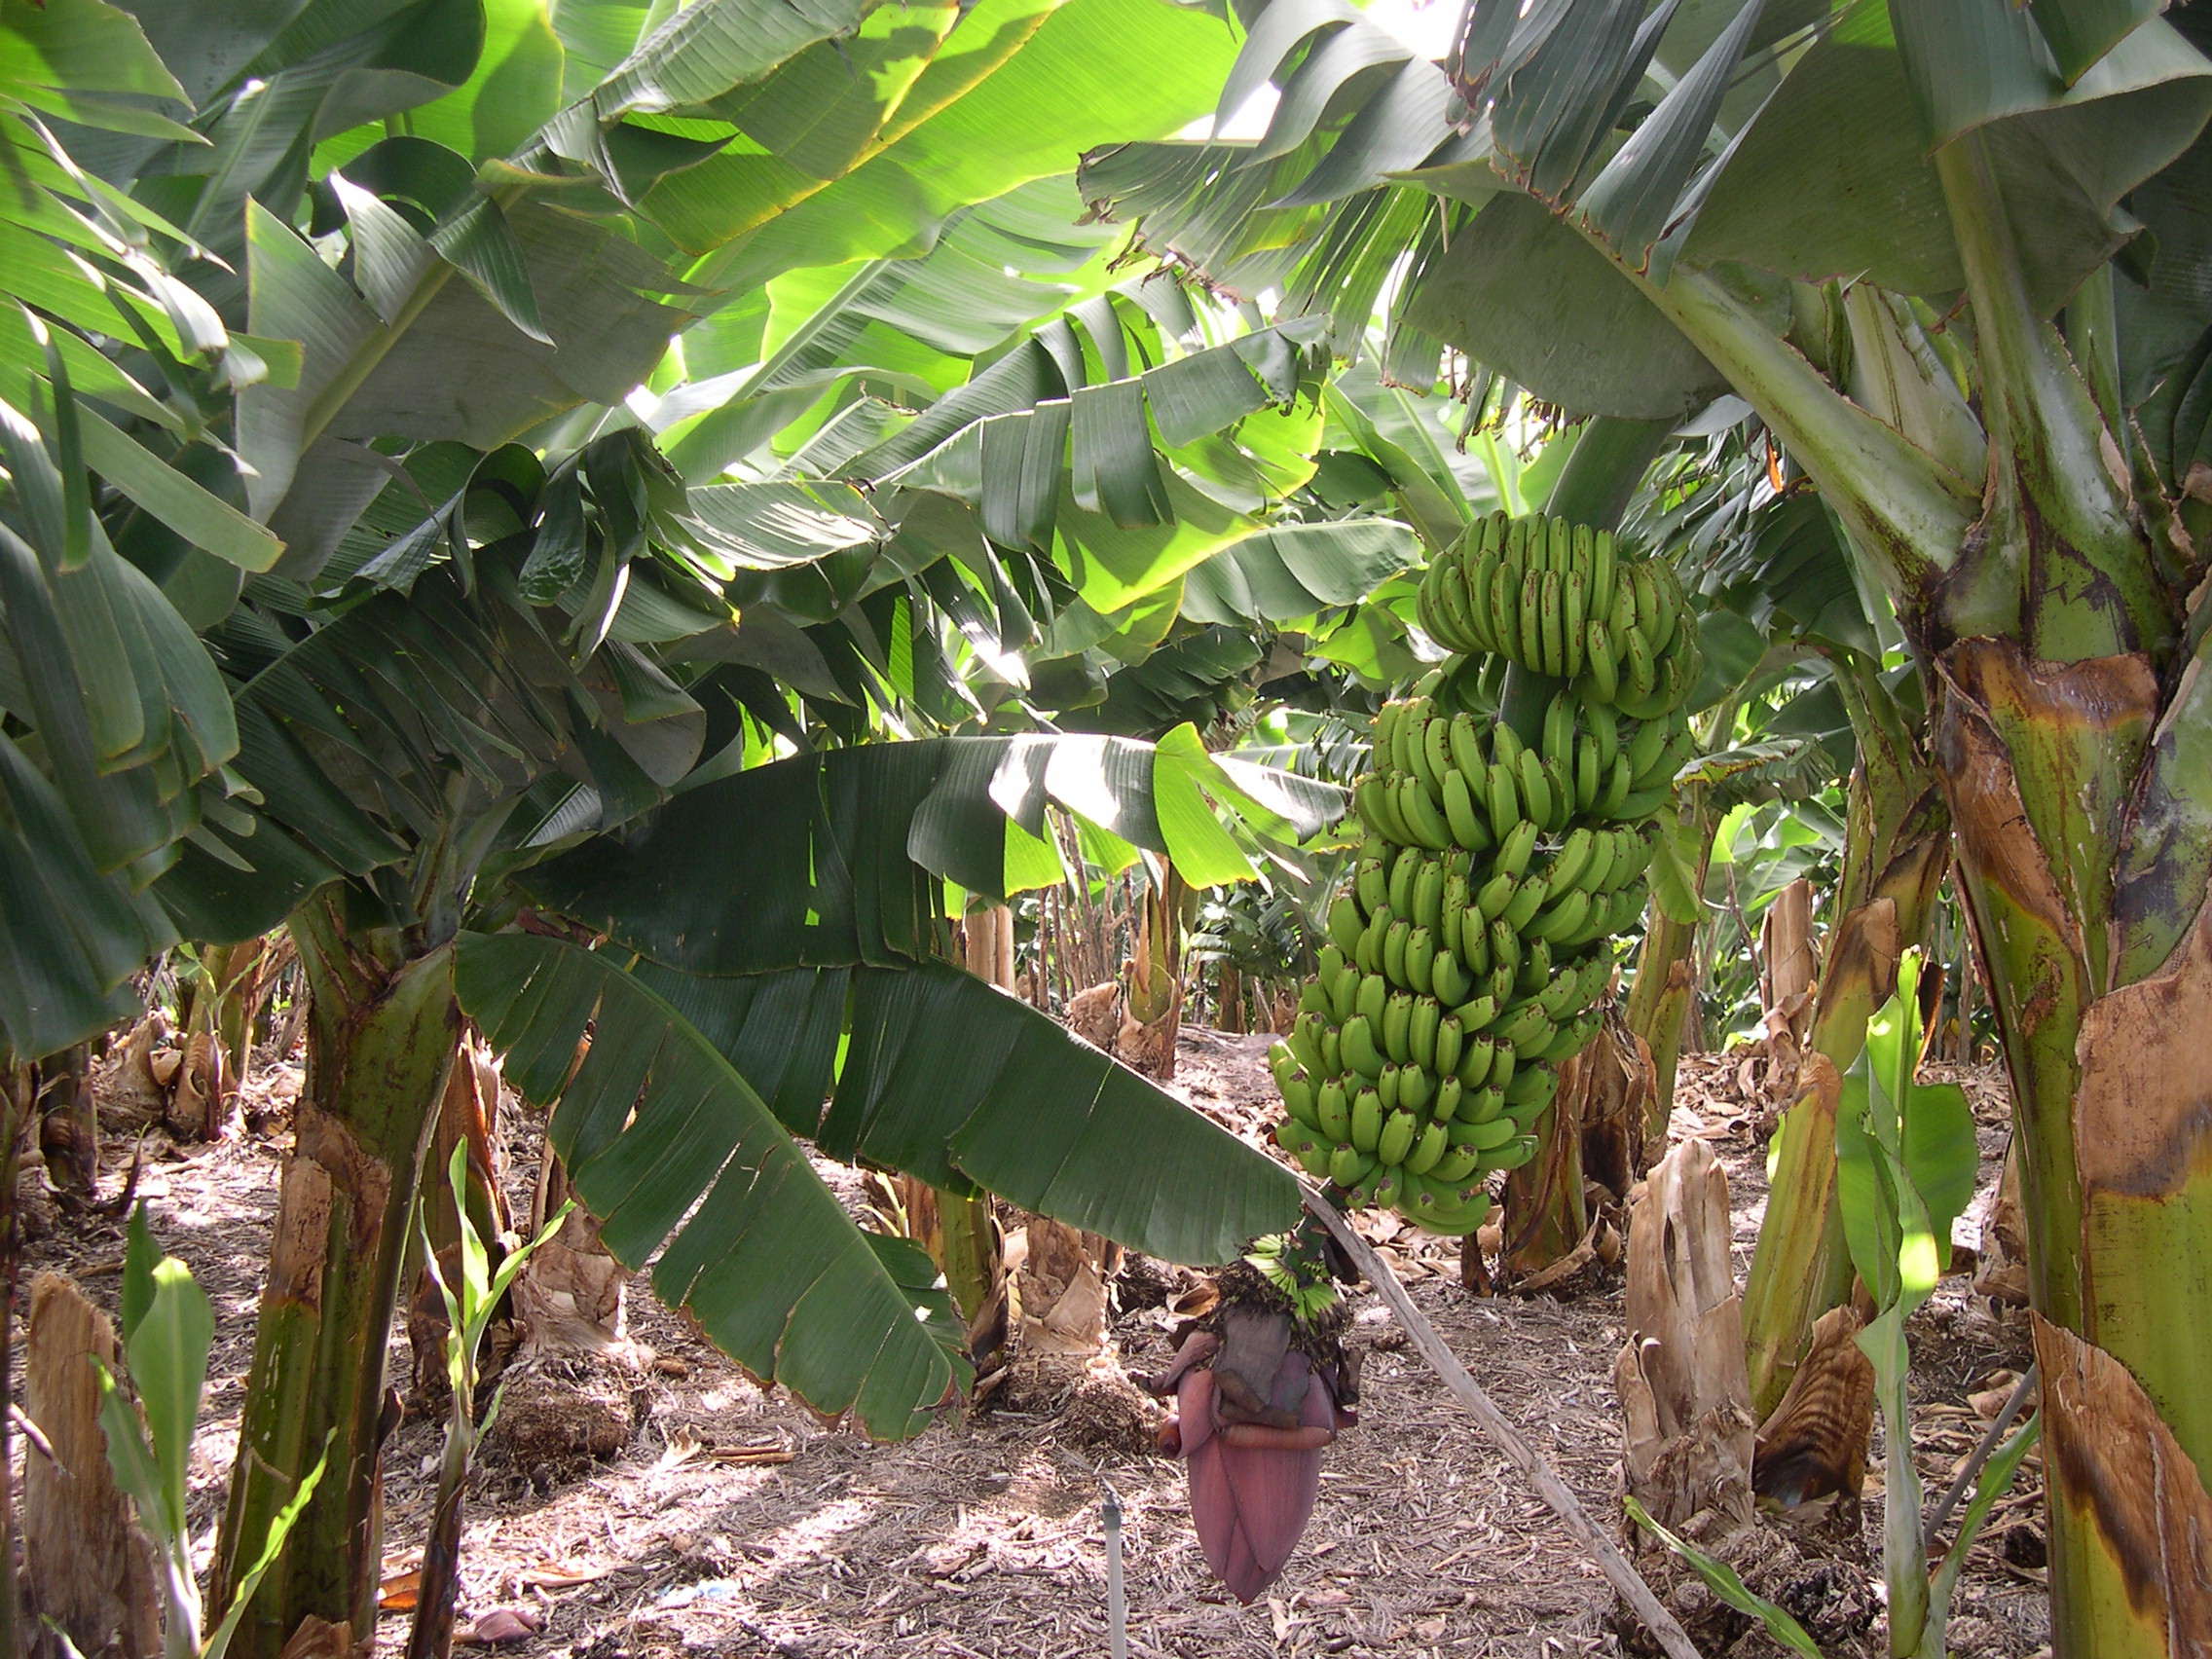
[(845, 854), (655, 1123), (1826, 172)]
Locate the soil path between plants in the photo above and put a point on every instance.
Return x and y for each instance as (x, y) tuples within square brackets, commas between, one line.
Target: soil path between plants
[(982, 1538)]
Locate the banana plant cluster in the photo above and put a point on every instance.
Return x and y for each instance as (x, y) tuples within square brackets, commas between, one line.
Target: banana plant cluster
[(1495, 870)]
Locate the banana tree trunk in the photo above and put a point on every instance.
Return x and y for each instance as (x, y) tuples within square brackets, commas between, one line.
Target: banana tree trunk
[(1545, 1213), (69, 1122), (382, 1037), (1895, 851), (1659, 1002), (2110, 1099), (19, 1099), (2060, 614)]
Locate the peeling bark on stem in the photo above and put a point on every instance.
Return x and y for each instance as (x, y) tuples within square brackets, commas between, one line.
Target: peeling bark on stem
[(382, 1035)]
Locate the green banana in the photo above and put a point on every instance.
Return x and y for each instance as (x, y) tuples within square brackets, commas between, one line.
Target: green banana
[(1528, 1029), (1616, 792), (1514, 850), (1476, 1016), (1602, 664), (1501, 604), (1421, 953), (1504, 945), (1466, 745), (1366, 1119), (1603, 568), (1502, 800), (1532, 619), (1604, 727), (1387, 1087), (1476, 1060), (1562, 918), (1431, 1214), (1601, 865), (1586, 773), (1394, 952), (1534, 1086), (1344, 992), (1494, 895), (1636, 856), (1431, 1145), (1360, 1055), (1456, 1165), (1378, 807), (1560, 780), (1437, 750), (1298, 1101), (1564, 995), (1420, 1034), (1447, 981), (1636, 660), (1305, 1043), (1570, 1040), (1481, 1105), (1474, 940), (1417, 1088), (1449, 1090), (1403, 868), (1332, 1051), (1312, 999), (1482, 1136), (1506, 745), (1573, 596), (1332, 1111), (1512, 1154), (1628, 904), (1477, 591), (1460, 816), (1418, 760), (1388, 1188), (1550, 617), (1344, 923), (1527, 898), (1535, 971), (1645, 746), (1450, 1039), (1423, 821), (1397, 1020), (1428, 894), (1556, 716), (1348, 1167), (1571, 862), (1374, 991)]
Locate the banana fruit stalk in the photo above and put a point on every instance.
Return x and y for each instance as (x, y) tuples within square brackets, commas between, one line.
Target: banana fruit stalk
[(1468, 952)]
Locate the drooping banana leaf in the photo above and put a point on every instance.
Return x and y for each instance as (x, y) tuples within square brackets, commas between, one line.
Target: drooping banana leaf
[(844, 855), (655, 1123)]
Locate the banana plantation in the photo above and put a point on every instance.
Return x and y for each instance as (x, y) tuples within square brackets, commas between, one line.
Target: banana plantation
[(1089, 826)]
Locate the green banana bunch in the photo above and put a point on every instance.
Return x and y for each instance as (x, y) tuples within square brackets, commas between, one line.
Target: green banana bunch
[(1469, 953), (1558, 600)]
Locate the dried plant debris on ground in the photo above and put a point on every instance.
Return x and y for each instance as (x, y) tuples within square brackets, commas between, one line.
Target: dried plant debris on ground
[(734, 1523)]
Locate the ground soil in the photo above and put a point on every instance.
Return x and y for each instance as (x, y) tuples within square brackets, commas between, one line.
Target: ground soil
[(734, 1523)]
